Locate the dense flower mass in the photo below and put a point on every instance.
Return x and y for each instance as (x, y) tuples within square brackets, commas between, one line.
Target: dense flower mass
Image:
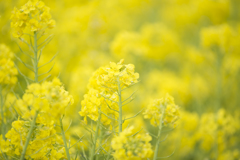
[(164, 108), (33, 16), (221, 36), (48, 98), (154, 41), (8, 72), (220, 128), (44, 143), (103, 91), (128, 146), (187, 48)]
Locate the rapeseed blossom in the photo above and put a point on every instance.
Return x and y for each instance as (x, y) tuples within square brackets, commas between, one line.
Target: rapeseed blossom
[(187, 48), (103, 90), (129, 146), (164, 107), (8, 72), (44, 143), (33, 16), (49, 99)]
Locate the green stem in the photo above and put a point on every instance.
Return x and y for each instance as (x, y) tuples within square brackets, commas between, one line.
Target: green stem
[(100, 139), (64, 139), (36, 80), (159, 135), (95, 138), (2, 113), (35, 57), (120, 122), (29, 136)]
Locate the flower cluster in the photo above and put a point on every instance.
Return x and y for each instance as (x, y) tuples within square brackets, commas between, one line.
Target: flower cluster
[(44, 143), (128, 146), (106, 79), (218, 128), (103, 90), (8, 71), (154, 41), (218, 36), (33, 16), (164, 108), (49, 98)]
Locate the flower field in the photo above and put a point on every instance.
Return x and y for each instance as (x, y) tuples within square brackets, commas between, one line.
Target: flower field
[(119, 79)]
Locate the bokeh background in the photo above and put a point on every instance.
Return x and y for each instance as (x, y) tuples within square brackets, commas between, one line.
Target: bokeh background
[(187, 48)]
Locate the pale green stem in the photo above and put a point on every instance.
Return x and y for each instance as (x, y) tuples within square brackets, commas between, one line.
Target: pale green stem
[(120, 122), (159, 134), (218, 91), (95, 138), (35, 57), (36, 80), (100, 139), (29, 136), (2, 113), (64, 139)]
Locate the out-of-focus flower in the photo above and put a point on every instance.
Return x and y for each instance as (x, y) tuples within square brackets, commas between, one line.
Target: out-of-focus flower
[(8, 72), (129, 146), (162, 107)]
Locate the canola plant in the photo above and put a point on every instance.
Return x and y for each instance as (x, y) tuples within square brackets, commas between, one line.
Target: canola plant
[(122, 79)]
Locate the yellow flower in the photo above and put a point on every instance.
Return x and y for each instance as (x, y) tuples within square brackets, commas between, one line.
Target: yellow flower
[(8, 72), (42, 141), (162, 107), (34, 25), (129, 146), (220, 36), (49, 98), (33, 16)]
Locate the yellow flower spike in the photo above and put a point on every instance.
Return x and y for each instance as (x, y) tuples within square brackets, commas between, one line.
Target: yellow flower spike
[(100, 90), (32, 17)]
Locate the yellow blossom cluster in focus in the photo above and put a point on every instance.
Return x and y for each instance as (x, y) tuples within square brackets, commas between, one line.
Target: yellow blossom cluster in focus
[(103, 90), (33, 16), (45, 143), (48, 98)]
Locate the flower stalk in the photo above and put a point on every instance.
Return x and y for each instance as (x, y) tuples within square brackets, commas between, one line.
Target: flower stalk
[(35, 57), (2, 114), (64, 139), (29, 136), (120, 121), (159, 133), (95, 138)]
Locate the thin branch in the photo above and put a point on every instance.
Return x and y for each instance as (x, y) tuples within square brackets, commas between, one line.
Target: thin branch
[(110, 107), (24, 52), (44, 44), (25, 64), (51, 36), (68, 127), (76, 142), (45, 78), (47, 71), (130, 96), (49, 61), (109, 116), (133, 116), (109, 99), (167, 156)]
